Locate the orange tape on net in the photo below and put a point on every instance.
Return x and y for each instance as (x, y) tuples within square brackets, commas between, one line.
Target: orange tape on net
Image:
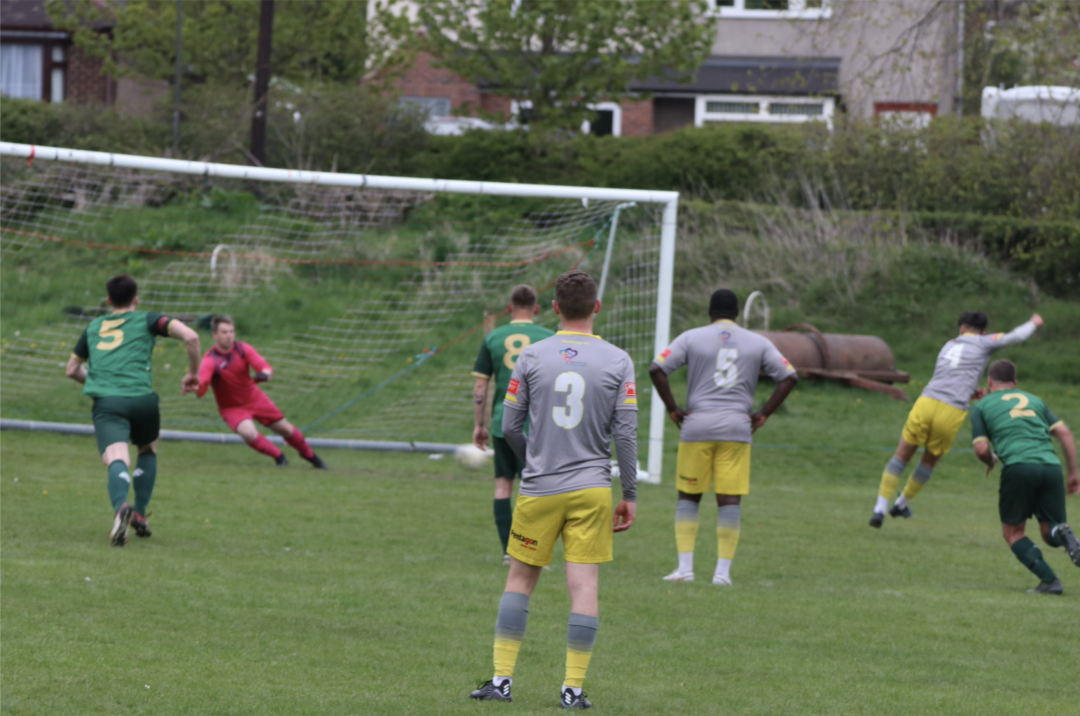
[(277, 259)]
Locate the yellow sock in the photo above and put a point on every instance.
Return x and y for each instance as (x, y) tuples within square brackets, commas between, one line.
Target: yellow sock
[(510, 631), (686, 525), (889, 483), (580, 637), (918, 478), (727, 531), (577, 662), (726, 541), (506, 653), (685, 535)]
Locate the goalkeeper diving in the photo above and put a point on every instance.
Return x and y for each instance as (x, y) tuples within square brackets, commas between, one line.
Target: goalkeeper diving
[(227, 369)]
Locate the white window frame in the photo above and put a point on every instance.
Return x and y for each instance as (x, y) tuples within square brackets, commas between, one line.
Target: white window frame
[(797, 10), (702, 116), (614, 107), (616, 117)]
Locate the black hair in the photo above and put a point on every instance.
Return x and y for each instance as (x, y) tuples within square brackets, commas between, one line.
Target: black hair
[(723, 304), (974, 319), (122, 290)]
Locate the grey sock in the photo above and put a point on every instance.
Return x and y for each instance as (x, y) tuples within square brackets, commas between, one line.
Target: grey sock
[(513, 616), (686, 511), (922, 474), (896, 466), (581, 631), (728, 516)]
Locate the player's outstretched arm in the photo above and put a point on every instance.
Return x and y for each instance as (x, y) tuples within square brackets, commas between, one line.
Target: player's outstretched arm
[(479, 398), (1019, 334), (179, 331), (1068, 446), (663, 389), (206, 374), (779, 394)]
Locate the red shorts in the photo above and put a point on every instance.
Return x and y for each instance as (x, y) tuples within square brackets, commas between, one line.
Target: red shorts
[(261, 409)]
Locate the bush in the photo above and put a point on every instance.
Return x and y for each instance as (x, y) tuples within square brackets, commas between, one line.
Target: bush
[(79, 127)]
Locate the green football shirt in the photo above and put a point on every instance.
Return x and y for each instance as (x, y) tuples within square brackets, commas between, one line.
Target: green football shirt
[(1018, 425), (498, 356), (117, 348)]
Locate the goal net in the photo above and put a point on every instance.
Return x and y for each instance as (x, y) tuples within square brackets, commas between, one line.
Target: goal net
[(368, 295)]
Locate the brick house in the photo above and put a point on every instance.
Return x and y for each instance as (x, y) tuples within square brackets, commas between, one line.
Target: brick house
[(773, 61), (38, 61)]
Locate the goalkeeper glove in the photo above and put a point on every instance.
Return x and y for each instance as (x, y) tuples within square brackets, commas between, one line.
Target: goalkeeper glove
[(261, 377)]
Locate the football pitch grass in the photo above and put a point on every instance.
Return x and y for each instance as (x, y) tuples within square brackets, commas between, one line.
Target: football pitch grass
[(373, 588)]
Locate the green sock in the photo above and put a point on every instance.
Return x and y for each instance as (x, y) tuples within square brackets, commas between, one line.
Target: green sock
[(504, 517), (119, 482), (1052, 538), (1030, 556), (143, 481)]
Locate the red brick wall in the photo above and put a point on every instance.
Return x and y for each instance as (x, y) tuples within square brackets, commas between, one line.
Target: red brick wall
[(637, 117), (423, 79), (85, 83)]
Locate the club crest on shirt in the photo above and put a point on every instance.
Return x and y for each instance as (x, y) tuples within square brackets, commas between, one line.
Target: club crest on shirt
[(631, 390)]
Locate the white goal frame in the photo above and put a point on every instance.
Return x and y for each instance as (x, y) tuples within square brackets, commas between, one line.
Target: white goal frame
[(668, 199)]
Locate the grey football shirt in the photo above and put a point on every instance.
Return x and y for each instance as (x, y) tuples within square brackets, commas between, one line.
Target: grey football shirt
[(572, 386), (722, 364), (961, 362)]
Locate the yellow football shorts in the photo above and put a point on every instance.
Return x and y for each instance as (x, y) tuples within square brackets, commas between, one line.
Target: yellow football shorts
[(582, 517), (725, 463), (933, 424)]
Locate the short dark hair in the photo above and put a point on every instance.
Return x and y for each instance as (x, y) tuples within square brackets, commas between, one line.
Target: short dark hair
[(575, 292), (724, 304), (122, 290), (974, 319), (523, 296), (1003, 371), (220, 320)]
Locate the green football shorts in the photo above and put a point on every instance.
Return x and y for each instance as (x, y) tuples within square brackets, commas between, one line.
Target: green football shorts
[(1031, 489), (126, 420), (506, 462)]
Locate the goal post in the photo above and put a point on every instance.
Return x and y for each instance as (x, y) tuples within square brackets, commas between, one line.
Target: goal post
[(426, 277)]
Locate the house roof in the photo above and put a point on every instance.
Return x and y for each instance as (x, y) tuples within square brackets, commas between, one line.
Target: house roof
[(25, 14), (733, 74), (32, 15)]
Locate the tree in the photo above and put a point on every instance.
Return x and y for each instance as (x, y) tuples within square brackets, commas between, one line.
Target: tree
[(557, 57), (1014, 42), (323, 40)]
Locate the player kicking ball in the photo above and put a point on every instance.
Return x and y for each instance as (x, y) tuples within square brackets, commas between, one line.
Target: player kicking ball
[(1015, 427), (112, 361), (577, 392), (227, 369), (498, 356), (939, 413), (722, 363)]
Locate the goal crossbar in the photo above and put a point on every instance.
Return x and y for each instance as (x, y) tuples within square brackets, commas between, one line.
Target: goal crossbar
[(668, 199)]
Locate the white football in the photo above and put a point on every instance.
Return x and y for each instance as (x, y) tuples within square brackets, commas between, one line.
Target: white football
[(471, 457)]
